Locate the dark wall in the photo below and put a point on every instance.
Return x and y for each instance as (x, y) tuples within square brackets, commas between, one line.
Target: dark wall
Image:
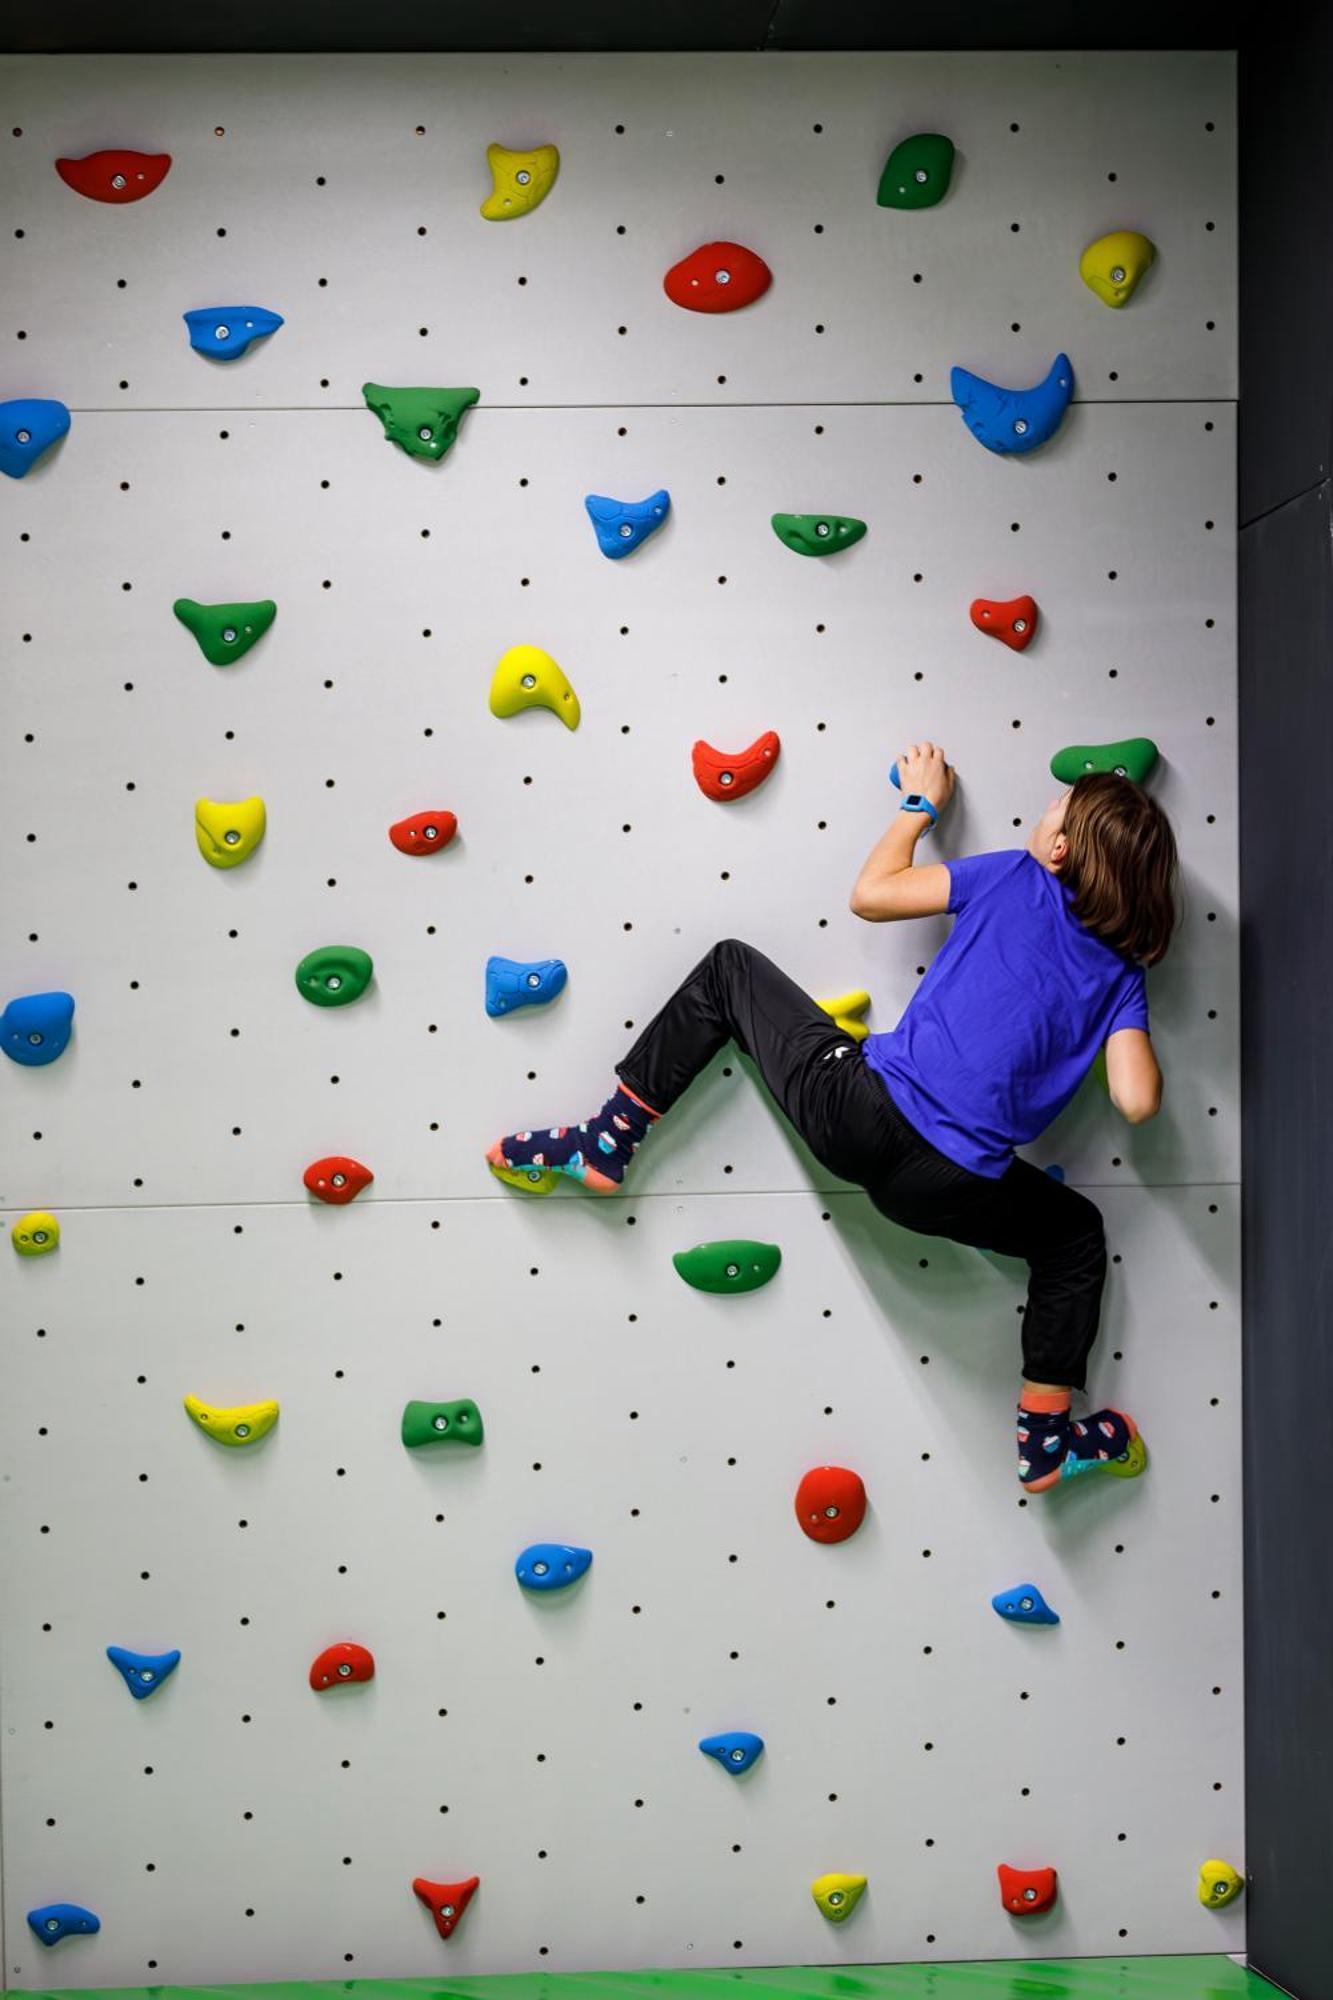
[(341, 25), (1286, 927)]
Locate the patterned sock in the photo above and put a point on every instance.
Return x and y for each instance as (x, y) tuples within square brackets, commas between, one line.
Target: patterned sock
[(1043, 1438), (1053, 1446), (1106, 1434), (595, 1153)]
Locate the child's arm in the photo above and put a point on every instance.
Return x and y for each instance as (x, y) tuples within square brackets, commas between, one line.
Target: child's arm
[(1132, 1075), (889, 886)]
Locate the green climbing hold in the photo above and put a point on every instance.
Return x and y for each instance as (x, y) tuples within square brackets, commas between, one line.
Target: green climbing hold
[(225, 631), (442, 1423), (1133, 758), (1131, 1462), (738, 1265), (917, 172), (817, 534), (335, 975), (423, 421)]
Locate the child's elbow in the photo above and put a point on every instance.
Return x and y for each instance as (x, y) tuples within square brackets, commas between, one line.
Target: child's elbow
[(1139, 1114)]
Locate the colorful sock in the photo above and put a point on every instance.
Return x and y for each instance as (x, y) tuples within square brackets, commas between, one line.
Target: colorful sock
[(1053, 1446), (1043, 1437), (595, 1153), (1093, 1440)]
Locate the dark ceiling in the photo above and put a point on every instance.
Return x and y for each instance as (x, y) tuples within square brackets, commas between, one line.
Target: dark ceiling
[(275, 26)]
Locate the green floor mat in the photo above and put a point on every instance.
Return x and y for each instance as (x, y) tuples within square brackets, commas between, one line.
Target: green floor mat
[(1184, 1978)]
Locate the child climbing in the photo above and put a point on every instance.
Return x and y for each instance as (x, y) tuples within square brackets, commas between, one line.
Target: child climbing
[(1043, 968)]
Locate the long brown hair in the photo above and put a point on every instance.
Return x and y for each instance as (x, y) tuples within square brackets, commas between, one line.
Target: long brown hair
[(1121, 865)]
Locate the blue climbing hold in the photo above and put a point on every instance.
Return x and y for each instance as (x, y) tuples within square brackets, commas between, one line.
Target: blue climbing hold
[(61, 1920), (35, 1028), (1056, 1173), (624, 525), (1025, 1605), (551, 1566), (144, 1672), (514, 982), (735, 1751), (1014, 420), (226, 331), (29, 425)]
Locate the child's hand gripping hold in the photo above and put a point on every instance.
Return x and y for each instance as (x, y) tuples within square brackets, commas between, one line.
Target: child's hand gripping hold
[(921, 768)]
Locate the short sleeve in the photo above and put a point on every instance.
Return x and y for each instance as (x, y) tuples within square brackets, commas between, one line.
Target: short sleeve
[(972, 875), (1131, 1008)]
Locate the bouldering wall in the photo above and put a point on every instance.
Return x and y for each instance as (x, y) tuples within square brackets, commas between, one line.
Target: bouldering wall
[(239, 1823)]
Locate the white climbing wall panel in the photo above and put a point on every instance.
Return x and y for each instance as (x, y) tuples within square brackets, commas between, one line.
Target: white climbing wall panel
[(238, 1826)]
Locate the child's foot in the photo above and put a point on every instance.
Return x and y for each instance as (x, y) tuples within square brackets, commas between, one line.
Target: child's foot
[(1053, 1446), (595, 1153)]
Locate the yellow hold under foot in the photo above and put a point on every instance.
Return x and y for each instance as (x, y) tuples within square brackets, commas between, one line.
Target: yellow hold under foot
[(845, 1010), (532, 1180)]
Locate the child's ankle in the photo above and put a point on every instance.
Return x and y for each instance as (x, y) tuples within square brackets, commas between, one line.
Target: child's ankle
[(1044, 1398), (643, 1105), (1043, 1434)]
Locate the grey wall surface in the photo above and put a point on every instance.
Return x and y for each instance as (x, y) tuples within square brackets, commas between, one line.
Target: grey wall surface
[(664, 1431), (1286, 905), (1286, 712)]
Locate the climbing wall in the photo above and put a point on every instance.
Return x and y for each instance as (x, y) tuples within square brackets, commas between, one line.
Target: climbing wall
[(237, 1825)]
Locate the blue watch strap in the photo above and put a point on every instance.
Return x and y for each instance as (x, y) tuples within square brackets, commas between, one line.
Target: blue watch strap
[(918, 802)]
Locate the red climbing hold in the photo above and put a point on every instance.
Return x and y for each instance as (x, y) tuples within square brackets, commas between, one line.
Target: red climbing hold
[(338, 1665), (717, 278), (447, 1900), (721, 777), (1025, 1891), (1014, 620), (337, 1179), (424, 833), (830, 1503), (115, 176)]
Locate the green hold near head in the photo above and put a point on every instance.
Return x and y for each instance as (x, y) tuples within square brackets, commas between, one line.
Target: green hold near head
[(917, 172), (1134, 758), (225, 631), (817, 534), (735, 1266), (423, 421), (335, 975), (442, 1423)]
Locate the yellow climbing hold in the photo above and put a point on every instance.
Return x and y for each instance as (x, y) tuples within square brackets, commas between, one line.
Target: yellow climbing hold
[(244, 1423), (1218, 1884), (532, 1180), (228, 834), (526, 677), (845, 1009), (35, 1233), (522, 181), (1131, 1463), (1113, 265), (838, 1895)]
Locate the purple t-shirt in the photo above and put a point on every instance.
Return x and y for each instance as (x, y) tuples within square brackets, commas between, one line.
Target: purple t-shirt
[(1003, 1028)]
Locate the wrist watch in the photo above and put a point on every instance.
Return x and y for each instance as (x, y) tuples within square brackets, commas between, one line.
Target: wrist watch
[(917, 802)]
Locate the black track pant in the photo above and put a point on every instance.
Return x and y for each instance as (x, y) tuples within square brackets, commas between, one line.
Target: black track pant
[(842, 1109)]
